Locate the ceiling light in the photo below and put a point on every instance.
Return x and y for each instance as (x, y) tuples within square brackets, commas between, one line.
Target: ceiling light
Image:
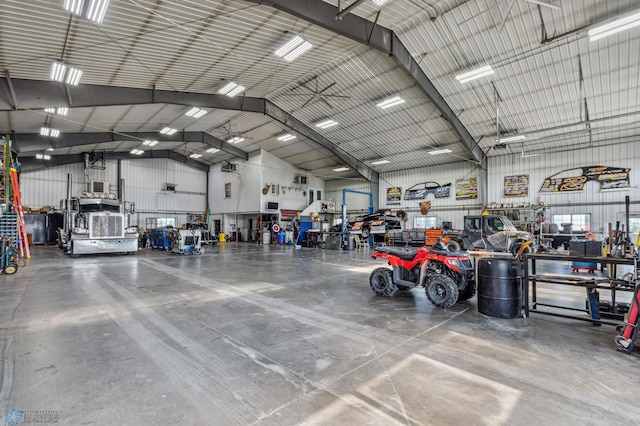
[(235, 139), (477, 73), (195, 112), (286, 137), (379, 2), (212, 150), (73, 76), (74, 6), (62, 111), (293, 48), (341, 169), (150, 143), (512, 138), (440, 151), (168, 131), (136, 151), (49, 149), (47, 131), (231, 89), (614, 27), (326, 123), (43, 157), (50, 110), (96, 10), (58, 70), (396, 100), (545, 4), (375, 163), (195, 156)]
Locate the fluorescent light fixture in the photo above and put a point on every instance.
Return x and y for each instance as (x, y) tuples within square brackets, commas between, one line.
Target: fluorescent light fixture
[(375, 163), (614, 27), (74, 6), (341, 169), (326, 123), (58, 70), (440, 151), (195, 112), (286, 137), (168, 131), (50, 110), (97, 10), (477, 73), (195, 156), (379, 2), (212, 150), (293, 48), (49, 149), (73, 76), (238, 89), (62, 111), (231, 89), (136, 151), (43, 157), (47, 131), (235, 139), (545, 4), (396, 100), (150, 143), (512, 138)]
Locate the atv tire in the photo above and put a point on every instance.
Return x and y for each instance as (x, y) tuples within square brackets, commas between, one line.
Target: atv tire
[(468, 292), (441, 291), (453, 245), (516, 248), (381, 282)]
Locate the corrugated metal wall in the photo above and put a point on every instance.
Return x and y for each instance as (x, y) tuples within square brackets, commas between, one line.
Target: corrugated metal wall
[(144, 181), (604, 207), (355, 203), (444, 209)]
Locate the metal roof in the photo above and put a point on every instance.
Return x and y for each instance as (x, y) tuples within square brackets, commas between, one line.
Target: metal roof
[(551, 83)]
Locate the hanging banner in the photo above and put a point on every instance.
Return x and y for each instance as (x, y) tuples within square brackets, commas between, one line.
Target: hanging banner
[(516, 186), (394, 195), (609, 178), (466, 188), (438, 191)]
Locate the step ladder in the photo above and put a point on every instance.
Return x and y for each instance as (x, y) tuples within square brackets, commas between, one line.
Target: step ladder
[(17, 206)]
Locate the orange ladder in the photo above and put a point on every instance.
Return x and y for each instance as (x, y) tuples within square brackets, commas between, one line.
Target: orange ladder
[(17, 206)]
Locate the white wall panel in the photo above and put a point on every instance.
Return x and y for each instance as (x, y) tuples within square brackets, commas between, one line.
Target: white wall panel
[(356, 203), (444, 209), (604, 207), (144, 181)]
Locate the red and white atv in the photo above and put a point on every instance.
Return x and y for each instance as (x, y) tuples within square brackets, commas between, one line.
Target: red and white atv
[(446, 276)]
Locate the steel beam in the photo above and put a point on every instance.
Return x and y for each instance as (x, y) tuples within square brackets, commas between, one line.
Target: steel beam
[(37, 94), (26, 142), (30, 164), (368, 33)]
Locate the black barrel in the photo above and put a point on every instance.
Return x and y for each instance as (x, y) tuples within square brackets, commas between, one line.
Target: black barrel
[(499, 287)]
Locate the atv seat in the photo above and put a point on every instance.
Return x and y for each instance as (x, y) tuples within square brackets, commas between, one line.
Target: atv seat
[(402, 253)]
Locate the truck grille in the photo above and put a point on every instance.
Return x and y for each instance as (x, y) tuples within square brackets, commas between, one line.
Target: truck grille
[(103, 226)]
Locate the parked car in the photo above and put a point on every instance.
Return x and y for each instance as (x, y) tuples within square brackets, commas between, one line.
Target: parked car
[(376, 224)]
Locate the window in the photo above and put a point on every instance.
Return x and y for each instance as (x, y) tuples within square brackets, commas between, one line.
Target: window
[(227, 190), (160, 222), (495, 224), (425, 222), (634, 224), (578, 222), (472, 223)]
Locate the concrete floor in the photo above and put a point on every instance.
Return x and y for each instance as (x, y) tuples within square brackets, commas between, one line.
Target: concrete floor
[(246, 335)]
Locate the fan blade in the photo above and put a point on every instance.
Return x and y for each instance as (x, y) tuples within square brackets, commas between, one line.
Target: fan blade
[(305, 104), (326, 102), (545, 4), (329, 86)]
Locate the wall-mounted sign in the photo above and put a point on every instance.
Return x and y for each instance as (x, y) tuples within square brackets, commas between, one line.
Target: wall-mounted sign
[(516, 186), (466, 188), (421, 190), (609, 178), (394, 195)]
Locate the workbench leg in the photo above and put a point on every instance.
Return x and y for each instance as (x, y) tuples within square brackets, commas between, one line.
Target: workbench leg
[(594, 310)]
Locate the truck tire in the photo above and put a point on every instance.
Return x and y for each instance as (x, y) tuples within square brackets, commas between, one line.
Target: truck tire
[(453, 245), (441, 291), (366, 232), (381, 282)]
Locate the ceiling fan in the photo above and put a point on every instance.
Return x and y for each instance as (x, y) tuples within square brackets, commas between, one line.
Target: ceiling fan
[(232, 137), (542, 3), (316, 92)]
